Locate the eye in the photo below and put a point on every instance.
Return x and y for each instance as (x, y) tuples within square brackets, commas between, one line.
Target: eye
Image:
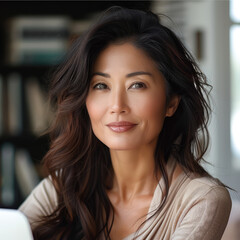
[(100, 86), (138, 85)]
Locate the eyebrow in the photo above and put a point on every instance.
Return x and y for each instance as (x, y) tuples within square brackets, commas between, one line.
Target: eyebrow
[(106, 75), (138, 73)]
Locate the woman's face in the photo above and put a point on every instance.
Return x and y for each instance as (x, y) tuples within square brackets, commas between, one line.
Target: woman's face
[(126, 102)]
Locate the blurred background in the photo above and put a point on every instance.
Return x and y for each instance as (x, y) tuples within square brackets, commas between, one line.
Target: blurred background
[(35, 35)]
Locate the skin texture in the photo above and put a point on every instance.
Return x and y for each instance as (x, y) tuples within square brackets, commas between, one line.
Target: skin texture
[(127, 107)]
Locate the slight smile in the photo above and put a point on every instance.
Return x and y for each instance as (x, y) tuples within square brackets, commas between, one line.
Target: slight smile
[(120, 127)]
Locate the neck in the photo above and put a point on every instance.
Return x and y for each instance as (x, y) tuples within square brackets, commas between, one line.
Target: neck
[(134, 173)]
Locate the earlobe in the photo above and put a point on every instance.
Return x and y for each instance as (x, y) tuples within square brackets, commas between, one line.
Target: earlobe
[(173, 105)]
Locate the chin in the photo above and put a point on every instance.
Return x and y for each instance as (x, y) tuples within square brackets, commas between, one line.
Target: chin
[(119, 148), (122, 147)]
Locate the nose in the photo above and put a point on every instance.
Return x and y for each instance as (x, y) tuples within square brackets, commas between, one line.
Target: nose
[(119, 103)]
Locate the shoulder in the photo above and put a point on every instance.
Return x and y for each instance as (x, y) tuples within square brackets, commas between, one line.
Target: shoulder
[(45, 192), (46, 189), (206, 198), (203, 206), (41, 202), (206, 188)]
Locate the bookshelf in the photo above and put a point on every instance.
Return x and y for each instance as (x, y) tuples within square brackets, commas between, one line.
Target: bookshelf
[(24, 75)]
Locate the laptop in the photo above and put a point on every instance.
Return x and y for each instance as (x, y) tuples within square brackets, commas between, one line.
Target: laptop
[(14, 225)]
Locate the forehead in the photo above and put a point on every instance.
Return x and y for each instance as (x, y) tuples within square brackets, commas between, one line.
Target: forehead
[(124, 56)]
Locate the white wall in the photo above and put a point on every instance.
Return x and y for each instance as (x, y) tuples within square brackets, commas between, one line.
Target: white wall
[(212, 18)]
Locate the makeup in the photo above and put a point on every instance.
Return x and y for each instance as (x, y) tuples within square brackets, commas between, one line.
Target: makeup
[(120, 127)]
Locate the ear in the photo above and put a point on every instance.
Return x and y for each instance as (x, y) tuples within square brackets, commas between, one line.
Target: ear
[(172, 105)]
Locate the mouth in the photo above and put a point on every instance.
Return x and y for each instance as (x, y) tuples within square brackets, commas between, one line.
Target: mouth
[(120, 127)]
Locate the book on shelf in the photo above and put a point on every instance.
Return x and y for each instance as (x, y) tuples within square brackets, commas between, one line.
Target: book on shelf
[(14, 103), (7, 186), (24, 106), (1, 106), (78, 27), (38, 107), (26, 174), (17, 173), (37, 40)]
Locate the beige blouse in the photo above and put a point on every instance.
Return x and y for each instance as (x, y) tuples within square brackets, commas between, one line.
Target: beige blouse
[(197, 208)]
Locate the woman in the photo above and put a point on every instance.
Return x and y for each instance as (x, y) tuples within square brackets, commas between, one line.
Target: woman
[(128, 138)]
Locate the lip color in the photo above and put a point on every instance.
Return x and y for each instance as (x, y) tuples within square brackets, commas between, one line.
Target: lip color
[(120, 127)]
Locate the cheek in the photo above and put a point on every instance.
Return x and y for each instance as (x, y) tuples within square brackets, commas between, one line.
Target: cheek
[(96, 106), (152, 108), (93, 109)]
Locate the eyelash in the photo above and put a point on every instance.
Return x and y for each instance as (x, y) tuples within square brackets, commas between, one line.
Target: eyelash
[(96, 86), (103, 86), (143, 85)]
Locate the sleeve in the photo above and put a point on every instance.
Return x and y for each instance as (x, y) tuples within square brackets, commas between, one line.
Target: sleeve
[(206, 218), (41, 202)]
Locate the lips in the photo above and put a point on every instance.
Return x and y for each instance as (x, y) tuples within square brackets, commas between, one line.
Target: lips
[(120, 127)]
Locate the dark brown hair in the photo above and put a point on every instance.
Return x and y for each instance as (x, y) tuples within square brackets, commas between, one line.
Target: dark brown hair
[(77, 161)]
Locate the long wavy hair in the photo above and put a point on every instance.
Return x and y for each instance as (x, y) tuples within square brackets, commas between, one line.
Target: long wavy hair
[(77, 161)]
